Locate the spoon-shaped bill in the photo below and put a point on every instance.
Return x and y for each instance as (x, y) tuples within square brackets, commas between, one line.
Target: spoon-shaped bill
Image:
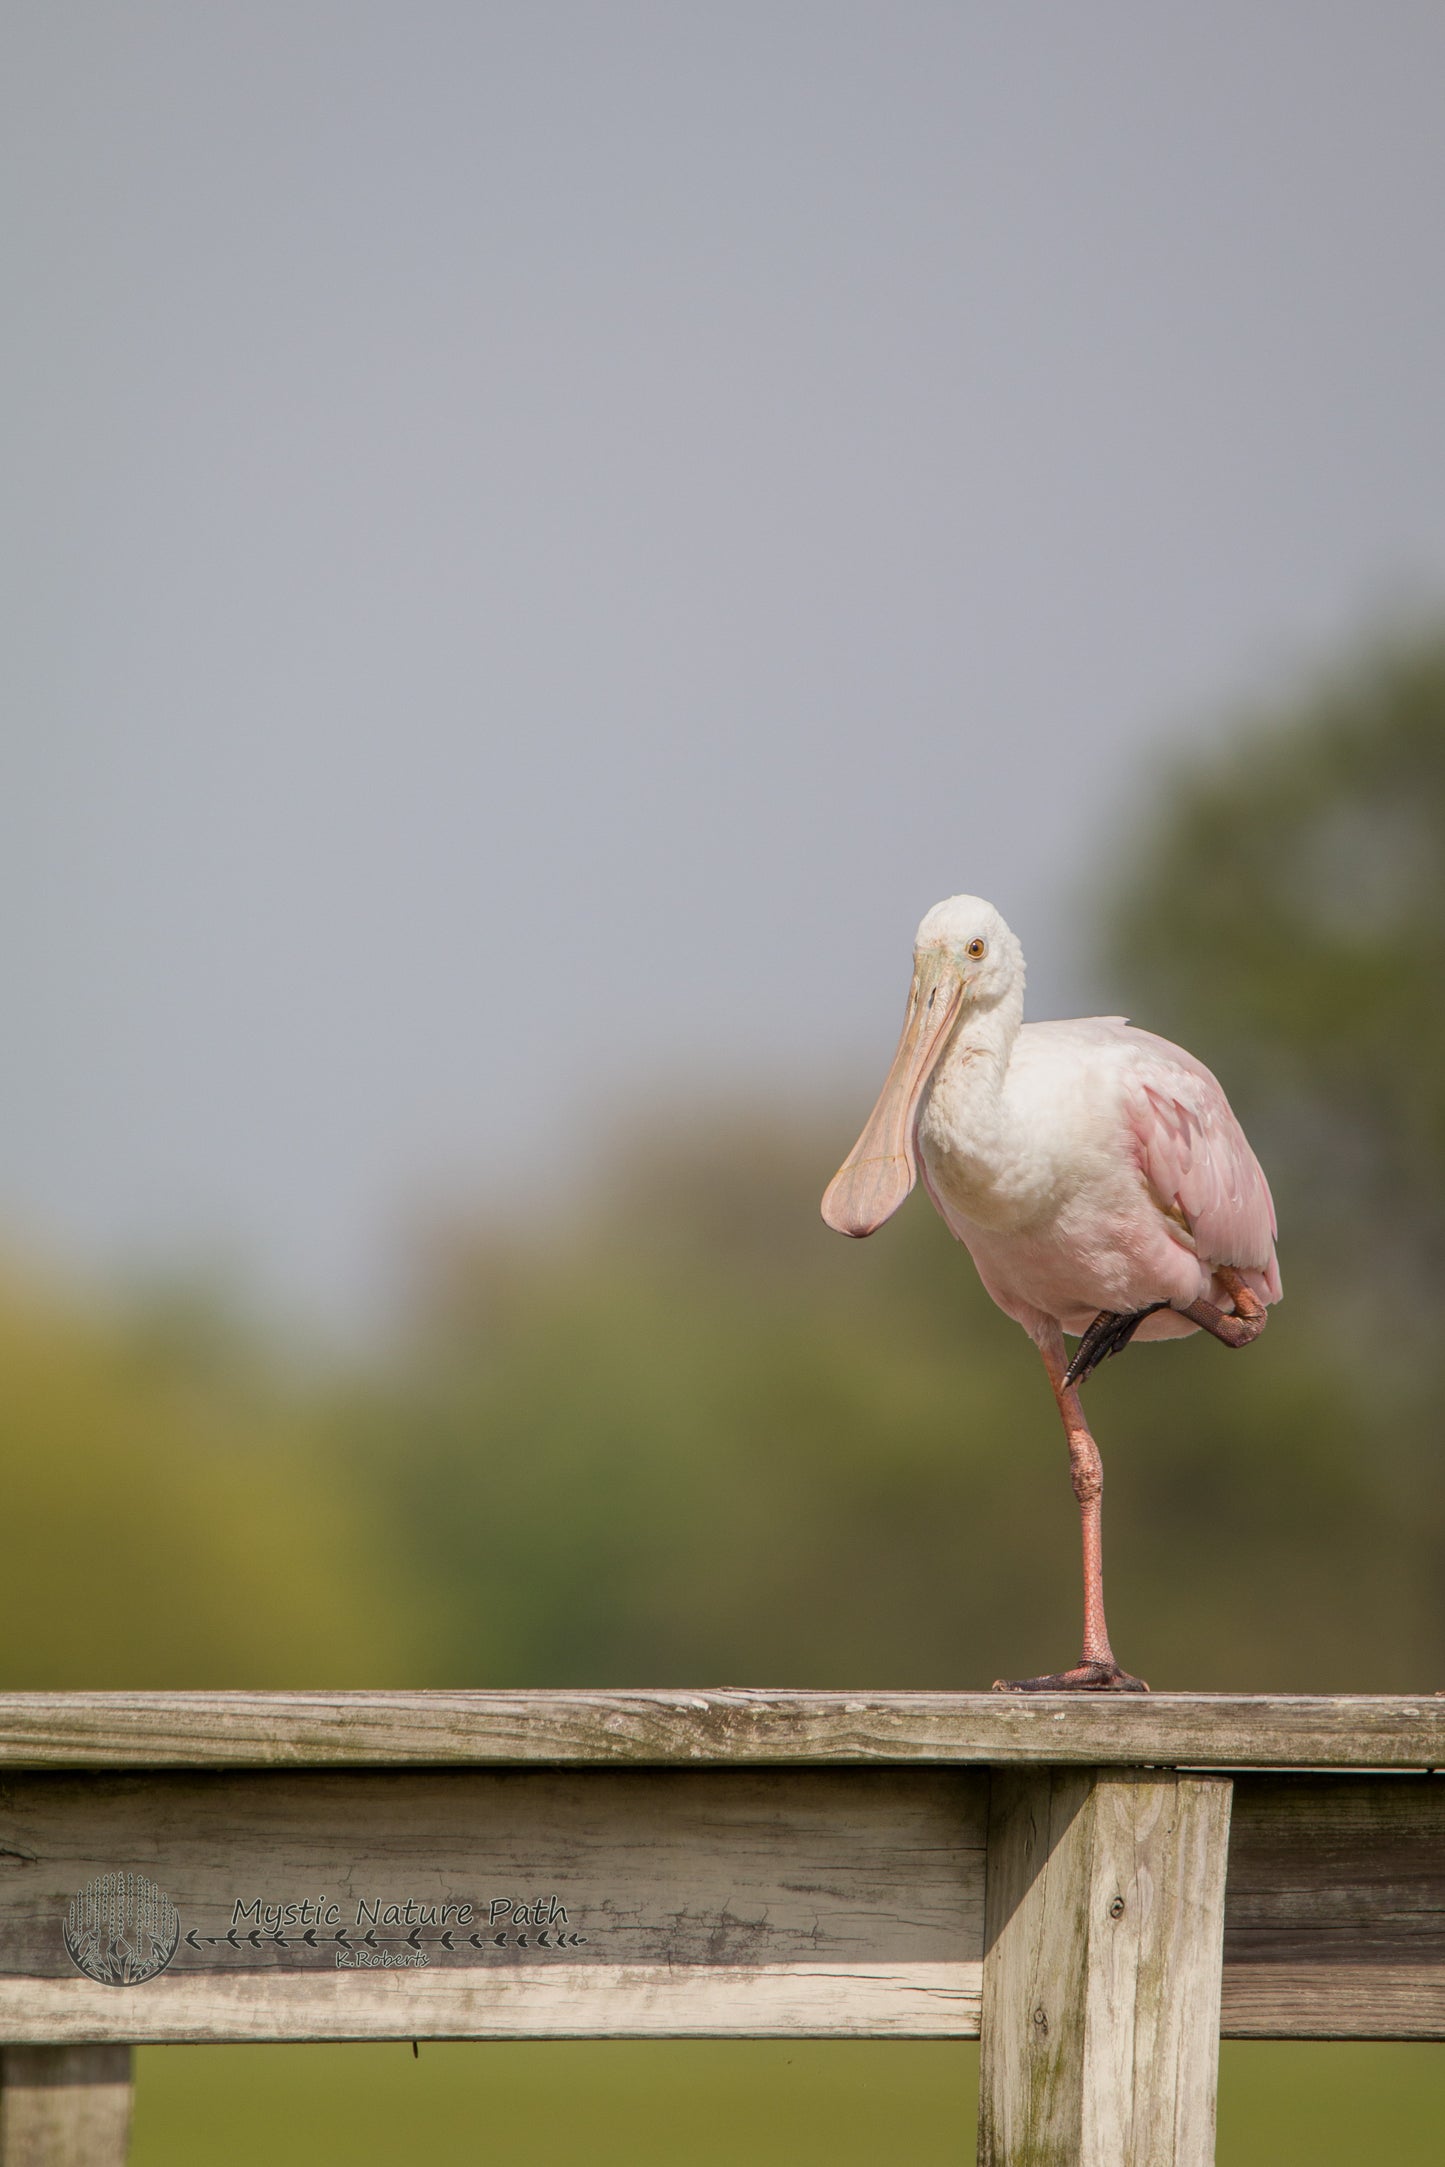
[(882, 1167)]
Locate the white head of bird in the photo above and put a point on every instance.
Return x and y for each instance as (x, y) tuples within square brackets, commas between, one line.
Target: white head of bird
[(968, 936), (965, 958)]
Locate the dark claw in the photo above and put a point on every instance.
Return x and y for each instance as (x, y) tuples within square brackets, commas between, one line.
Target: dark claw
[(1110, 1333), (1083, 1678)]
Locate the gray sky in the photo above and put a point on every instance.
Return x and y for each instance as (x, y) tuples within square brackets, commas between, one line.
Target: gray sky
[(543, 536)]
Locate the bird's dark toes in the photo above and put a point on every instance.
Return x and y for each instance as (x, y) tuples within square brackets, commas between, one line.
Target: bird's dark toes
[(1110, 1333), (1083, 1678)]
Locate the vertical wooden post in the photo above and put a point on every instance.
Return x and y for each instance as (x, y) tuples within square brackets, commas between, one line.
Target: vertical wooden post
[(64, 2106), (1103, 1951)]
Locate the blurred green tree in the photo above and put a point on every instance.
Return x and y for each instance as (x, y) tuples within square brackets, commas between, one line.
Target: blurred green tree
[(178, 1514), (1288, 912)]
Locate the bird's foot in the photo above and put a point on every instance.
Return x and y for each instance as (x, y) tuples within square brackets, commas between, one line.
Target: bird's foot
[(1083, 1678), (1110, 1333)]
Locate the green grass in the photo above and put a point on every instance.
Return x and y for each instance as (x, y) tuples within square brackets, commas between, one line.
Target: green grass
[(811, 2104), (608, 2103), (1317, 2103)]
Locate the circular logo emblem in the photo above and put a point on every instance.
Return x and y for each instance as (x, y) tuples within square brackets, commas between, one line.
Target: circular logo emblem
[(121, 1929)]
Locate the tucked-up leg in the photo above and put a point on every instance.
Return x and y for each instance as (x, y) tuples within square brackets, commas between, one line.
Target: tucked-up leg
[(1250, 1315), (1096, 1671)]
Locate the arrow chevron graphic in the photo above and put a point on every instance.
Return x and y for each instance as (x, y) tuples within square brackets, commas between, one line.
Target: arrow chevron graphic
[(416, 1939)]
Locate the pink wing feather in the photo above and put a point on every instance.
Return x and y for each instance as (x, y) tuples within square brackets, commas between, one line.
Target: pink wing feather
[(1197, 1160)]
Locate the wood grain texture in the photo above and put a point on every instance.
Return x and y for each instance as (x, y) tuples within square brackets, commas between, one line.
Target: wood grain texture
[(297, 1730), (455, 1903), (1036, 1951), (1333, 2001), (1152, 2048), (64, 2106), (1335, 1909), (633, 2001), (1102, 1966)]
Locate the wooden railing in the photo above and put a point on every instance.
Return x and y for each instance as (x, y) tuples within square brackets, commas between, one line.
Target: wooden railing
[(1101, 1886)]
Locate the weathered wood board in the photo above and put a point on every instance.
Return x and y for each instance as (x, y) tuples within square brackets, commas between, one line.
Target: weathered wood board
[(1335, 1909), (1179, 1730), (455, 1903), (1101, 1967)]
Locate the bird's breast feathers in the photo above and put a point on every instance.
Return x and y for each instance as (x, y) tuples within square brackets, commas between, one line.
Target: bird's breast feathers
[(1108, 1170), (1014, 1159)]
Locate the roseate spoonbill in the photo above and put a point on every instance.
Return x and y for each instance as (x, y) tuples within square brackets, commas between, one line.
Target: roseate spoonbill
[(1095, 1174)]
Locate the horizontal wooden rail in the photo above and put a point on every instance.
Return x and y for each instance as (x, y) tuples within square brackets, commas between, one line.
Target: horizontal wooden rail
[(331, 1730), (765, 1902)]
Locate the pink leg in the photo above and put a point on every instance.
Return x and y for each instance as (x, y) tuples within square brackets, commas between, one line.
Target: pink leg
[(1250, 1315), (1096, 1670)]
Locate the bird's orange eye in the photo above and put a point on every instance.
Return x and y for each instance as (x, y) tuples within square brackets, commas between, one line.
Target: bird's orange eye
[(977, 949)]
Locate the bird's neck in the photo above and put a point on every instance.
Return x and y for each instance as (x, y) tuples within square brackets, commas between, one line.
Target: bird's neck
[(964, 1126)]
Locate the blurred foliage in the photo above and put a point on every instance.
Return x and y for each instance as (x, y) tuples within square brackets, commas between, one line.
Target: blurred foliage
[(1288, 911), (176, 1512)]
